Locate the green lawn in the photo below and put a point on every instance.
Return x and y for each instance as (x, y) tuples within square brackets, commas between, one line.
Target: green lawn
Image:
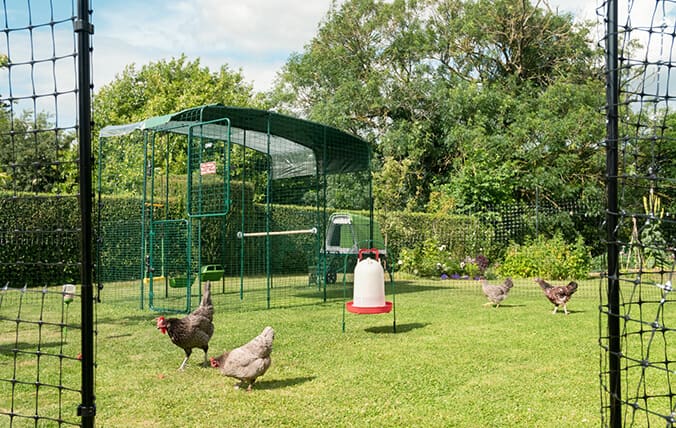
[(452, 363)]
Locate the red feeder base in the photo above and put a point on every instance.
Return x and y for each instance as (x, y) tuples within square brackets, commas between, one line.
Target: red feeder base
[(368, 310)]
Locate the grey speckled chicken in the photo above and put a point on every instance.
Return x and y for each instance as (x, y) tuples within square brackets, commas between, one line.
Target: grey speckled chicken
[(496, 293), (249, 361), (193, 330)]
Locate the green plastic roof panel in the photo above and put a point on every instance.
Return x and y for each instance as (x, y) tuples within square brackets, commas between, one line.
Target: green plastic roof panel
[(296, 147)]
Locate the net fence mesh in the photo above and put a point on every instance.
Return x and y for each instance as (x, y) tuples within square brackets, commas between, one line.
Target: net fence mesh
[(40, 316), (40, 346), (40, 340), (637, 316)]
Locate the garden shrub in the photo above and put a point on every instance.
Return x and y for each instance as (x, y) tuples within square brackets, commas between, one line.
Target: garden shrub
[(431, 258), (551, 258), (39, 239), (463, 237)]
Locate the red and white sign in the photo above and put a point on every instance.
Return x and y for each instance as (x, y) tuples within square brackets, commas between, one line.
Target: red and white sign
[(208, 168)]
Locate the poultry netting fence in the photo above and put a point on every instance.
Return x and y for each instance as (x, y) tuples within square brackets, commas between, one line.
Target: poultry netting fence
[(470, 241), (46, 322), (638, 310), (207, 225)]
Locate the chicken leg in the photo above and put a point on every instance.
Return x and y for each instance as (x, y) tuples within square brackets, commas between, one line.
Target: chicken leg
[(565, 310), (206, 357), (185, 360)]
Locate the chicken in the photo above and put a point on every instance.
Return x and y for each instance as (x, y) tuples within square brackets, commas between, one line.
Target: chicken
[(496, 293), (192, 331), (558, 295), (249, 361)]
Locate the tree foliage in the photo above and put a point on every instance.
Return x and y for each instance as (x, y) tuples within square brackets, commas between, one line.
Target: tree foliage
[(473, 103), (167, 86), (35, 154), (156, 89)]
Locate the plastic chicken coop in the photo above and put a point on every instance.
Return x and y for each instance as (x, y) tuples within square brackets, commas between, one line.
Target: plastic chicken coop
[(346, 234), (237, 196)]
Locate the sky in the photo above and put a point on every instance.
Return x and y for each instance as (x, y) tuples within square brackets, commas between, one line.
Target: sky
[(255, 37)]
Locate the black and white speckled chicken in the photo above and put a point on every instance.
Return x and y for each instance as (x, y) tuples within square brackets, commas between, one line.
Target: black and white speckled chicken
[(558, 295), (496, 293), (193, 330), (249, 361)]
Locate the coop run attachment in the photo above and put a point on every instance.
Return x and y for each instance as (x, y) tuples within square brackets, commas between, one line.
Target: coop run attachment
[(247, 192)]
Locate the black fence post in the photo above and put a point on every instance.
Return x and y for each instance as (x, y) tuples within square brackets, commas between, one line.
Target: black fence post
[(84, 30), (612, 118)]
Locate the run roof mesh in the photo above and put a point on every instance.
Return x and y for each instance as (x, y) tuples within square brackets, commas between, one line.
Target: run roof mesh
[(296, 147)]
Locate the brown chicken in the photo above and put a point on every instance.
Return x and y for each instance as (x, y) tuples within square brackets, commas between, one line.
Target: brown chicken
[(496, 293), (248, 362), (192, 331), (558, 295)]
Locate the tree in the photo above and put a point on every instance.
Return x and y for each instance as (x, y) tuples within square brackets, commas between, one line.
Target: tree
[(35, 155), (470, 101), (164, 87), (157, 89), (547, 142), (487, 41)]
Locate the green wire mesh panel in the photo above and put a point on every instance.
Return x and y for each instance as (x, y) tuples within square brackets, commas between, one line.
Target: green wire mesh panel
[(258, 188), (275, 242), (172, 273), (118, 258), (120, 227), (208, 170)]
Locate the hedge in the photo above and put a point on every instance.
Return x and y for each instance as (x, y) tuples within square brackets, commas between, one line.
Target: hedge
[(39, 236)]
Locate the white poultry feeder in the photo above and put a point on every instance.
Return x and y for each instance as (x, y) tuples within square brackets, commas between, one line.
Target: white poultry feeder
[(369, 286), (68, 291)]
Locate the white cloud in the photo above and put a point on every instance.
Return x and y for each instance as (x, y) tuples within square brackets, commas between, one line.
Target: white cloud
[(259, 26), (581, 9)]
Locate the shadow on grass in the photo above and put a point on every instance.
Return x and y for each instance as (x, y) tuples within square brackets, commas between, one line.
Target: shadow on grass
[(570, 312), (8, 349), (335, 291), (117, 336), (135, 319), (282, 383), (400, 328), (503, 305)]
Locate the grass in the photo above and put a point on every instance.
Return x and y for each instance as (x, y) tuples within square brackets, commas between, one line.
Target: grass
[(452, 362)]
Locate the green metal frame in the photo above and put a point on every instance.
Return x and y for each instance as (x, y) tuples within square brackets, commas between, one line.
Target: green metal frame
[(310, 149), (194, 213)]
